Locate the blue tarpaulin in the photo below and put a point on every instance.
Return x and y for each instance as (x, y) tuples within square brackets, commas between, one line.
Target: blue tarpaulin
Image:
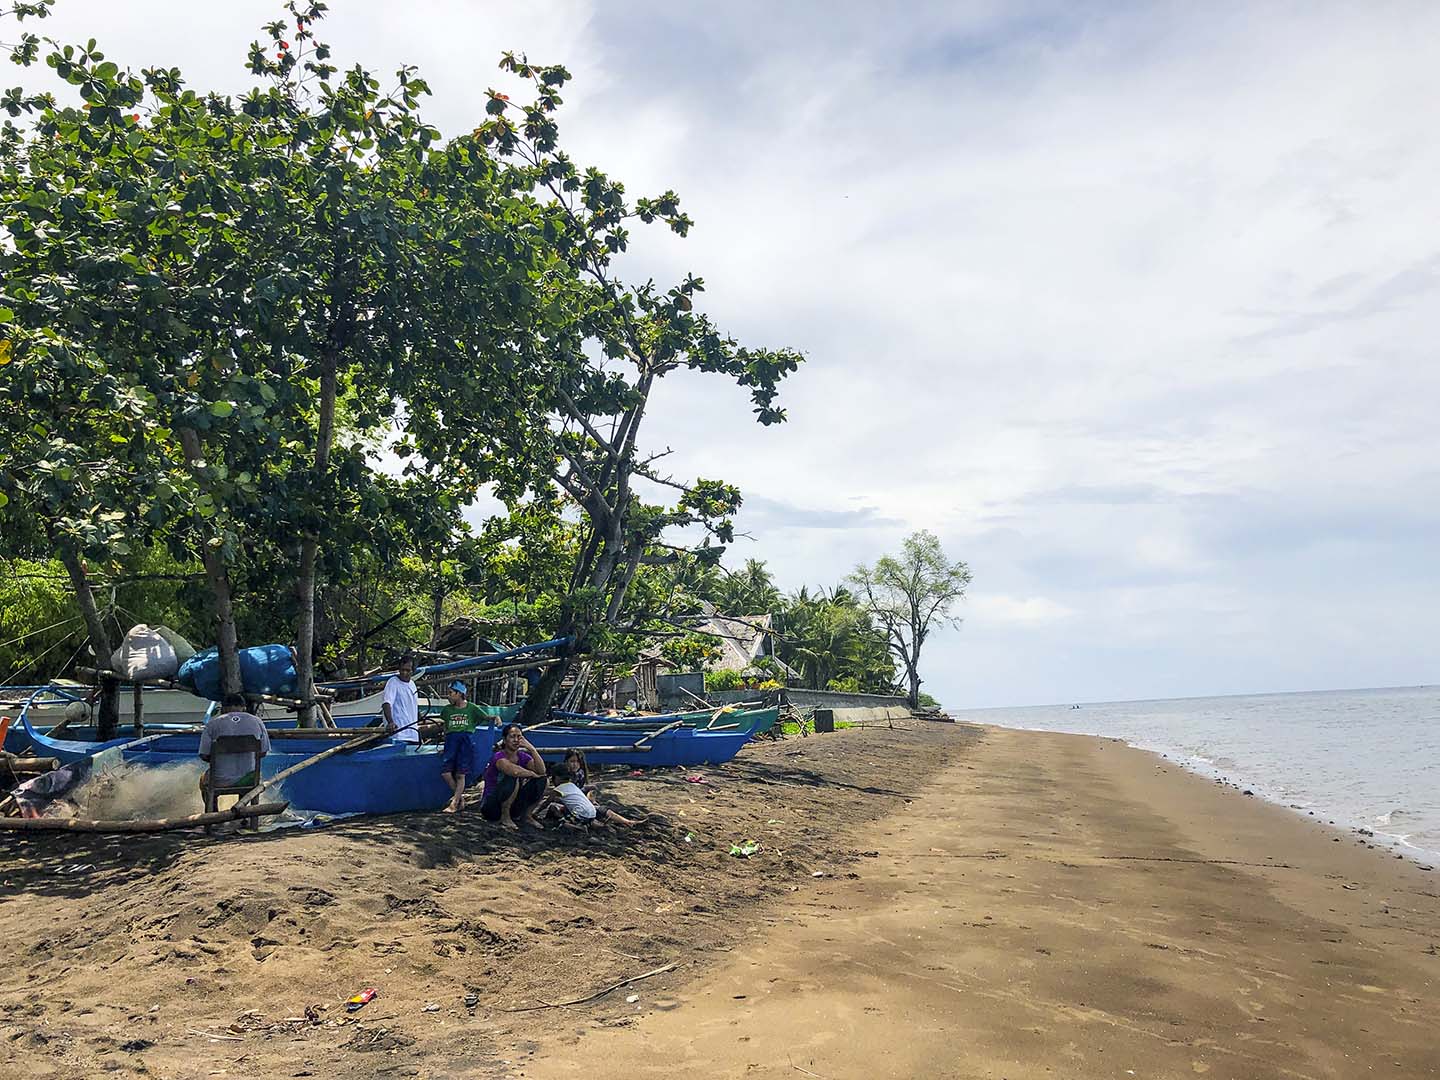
[(264, 669)]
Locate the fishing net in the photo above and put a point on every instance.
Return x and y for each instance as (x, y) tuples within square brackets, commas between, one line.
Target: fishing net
[(107, 787)]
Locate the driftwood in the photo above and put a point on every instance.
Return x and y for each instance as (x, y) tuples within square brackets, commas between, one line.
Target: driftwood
[(85, 825), (696, 698), (597, 994), (19, 764)]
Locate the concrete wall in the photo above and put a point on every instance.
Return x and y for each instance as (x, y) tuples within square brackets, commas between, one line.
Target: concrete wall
[(865, 716), (669, 687), (834, 699)]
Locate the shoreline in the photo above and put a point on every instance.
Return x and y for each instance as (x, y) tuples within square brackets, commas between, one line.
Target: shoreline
[(1086, 909), (1204, 768)]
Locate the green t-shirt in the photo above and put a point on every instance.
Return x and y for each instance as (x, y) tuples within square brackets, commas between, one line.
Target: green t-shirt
[(461, 717)]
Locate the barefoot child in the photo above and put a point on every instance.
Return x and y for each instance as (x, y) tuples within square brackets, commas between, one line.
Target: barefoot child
[(577, 804), (458, 760)]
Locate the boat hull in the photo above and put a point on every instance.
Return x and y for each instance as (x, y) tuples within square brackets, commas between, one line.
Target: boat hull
[(390, 778), (755, 721), (681, 747)]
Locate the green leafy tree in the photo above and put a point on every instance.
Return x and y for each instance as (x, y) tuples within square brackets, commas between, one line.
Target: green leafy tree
[(690, 652), (748, 591), (274, 282), (910, 596), (604, 360)]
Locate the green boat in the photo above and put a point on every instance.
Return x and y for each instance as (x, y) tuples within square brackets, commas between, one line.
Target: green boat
[(727, 718), (720, 718)]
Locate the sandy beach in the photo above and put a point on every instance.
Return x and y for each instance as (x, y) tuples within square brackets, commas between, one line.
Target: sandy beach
[(1066, 906), (993, 904)]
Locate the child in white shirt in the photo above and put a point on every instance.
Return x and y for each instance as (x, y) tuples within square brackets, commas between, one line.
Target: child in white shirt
[(577, 804)]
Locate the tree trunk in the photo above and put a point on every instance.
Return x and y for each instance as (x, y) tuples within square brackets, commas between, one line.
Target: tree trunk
[(217, 576), (914, 676), (309, 551), (101, 644), (537, 701), (437, 607)]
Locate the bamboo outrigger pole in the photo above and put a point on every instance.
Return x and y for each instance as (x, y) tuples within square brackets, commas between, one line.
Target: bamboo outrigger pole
[(87, 825)]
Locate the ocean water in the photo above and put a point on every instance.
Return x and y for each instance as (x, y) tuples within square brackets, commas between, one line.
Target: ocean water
[(1361, 758)]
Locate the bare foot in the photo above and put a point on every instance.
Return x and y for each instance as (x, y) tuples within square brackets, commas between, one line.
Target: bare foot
[(506, 823), (452, 808)]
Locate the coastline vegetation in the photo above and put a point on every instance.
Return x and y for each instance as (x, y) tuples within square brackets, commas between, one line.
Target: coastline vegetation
[(260, 352)]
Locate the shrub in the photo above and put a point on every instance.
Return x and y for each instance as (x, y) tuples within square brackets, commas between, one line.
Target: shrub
[(724, 679)]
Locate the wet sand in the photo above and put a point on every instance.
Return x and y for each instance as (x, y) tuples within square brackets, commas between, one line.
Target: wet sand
[(1065, 906)]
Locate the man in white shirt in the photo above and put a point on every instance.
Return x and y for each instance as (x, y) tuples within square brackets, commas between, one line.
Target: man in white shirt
[(231, 770), (401, 707)]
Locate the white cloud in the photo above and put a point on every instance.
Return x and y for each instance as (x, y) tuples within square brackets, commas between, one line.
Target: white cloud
[(982, 609)]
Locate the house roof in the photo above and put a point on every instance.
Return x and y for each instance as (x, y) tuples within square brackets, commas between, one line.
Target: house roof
[(741, 638)]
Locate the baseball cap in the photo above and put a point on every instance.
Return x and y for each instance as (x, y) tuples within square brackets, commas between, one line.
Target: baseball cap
[(458, 686)]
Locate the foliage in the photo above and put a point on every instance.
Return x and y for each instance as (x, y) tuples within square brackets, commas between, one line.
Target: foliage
[(603, 357), (216, 310), (215, 307), (36, 593), (828, 637), (724, 679), (689, 653), (910, 596)]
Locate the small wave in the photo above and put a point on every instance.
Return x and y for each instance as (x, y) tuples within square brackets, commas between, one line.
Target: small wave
[(1387, 818)]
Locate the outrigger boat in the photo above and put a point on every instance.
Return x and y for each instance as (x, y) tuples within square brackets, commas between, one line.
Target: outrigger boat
[(394, 776), (721, 718)]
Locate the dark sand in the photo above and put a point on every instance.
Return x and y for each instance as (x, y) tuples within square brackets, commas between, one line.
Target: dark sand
[(1064, 906), (178, 956), (1044, 906)]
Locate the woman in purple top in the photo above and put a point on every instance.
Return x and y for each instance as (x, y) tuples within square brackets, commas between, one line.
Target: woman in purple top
[(514, 780)]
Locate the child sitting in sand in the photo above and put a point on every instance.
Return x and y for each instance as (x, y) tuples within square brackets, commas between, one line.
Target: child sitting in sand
[(574, 804)]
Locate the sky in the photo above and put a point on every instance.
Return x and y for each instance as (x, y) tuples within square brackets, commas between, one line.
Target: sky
[(1132, 304)]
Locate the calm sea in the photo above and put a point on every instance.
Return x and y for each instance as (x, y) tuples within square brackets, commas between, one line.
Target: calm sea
[(1362, 758)]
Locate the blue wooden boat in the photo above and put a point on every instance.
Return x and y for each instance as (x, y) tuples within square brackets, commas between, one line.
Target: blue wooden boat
[(81, 743), (392, 776), (388, 778)]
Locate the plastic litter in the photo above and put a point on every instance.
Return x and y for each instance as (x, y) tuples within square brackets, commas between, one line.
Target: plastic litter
[(360, 1000), (744, 850)]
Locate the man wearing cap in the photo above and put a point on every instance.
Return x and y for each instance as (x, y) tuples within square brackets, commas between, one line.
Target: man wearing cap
[(458, 760)]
